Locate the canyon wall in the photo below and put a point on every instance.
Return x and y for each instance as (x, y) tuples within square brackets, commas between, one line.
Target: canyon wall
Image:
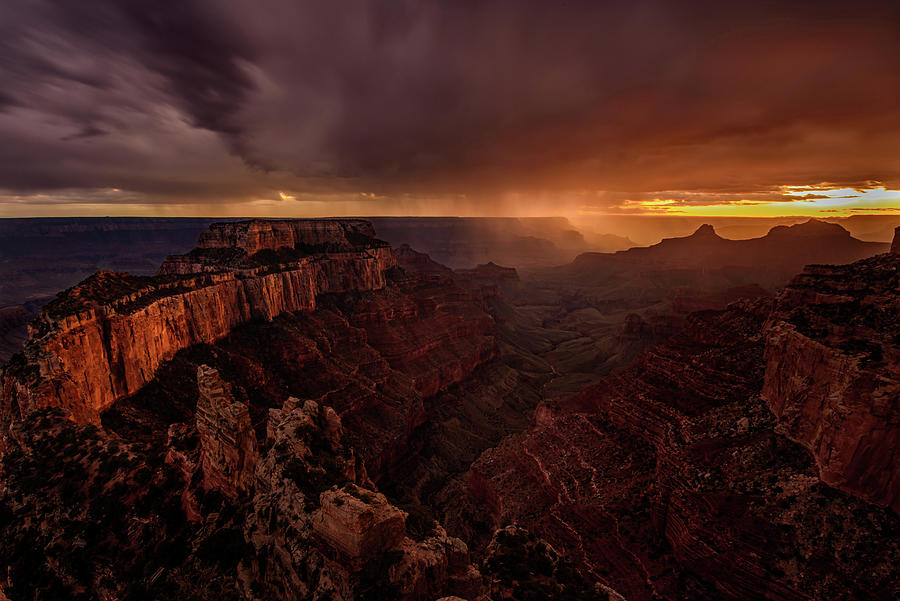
[(833, 373), (753, 455), (92, 347), (672, 479)]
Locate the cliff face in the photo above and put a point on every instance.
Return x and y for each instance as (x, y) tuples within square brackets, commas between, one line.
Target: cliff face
[(85, 352), (833, 373), (750, 455), (375, 357)]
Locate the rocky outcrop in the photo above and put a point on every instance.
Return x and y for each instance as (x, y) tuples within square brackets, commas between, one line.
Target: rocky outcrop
[(523, 566), (833, 374), (210, 512), (437, 337), (105, 339), (490, 278), (375, 358), (895, 243), (358, 523), (422, 264), (228, 448)]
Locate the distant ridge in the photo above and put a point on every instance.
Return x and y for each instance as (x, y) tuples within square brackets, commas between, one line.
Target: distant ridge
[(769, 260)]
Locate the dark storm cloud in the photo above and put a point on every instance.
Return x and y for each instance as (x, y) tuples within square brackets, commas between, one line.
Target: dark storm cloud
[(196, 99)]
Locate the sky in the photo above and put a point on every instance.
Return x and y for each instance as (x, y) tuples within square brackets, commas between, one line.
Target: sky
[(401, 107)]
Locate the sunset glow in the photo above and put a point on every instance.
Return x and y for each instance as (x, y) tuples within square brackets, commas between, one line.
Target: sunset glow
[(658, 108), (812, 201)]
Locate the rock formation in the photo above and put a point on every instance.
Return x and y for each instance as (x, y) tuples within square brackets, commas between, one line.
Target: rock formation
[(210, 512), (678, 478), (254, 236), (833, 373), (104, 339), (358, 523), (228, 449), (704, 259)]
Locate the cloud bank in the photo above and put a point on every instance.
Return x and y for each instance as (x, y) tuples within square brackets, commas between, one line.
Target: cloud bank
[(467, 107)]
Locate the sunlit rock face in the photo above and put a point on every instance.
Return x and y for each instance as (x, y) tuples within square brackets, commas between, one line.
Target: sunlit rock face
[(380, 426), (104, 339)]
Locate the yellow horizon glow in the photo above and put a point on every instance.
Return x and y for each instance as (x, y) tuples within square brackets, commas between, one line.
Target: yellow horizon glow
[(836, 202), (819, 200)]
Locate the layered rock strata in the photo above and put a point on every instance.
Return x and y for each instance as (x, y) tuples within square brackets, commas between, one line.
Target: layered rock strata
[(833, 373), (228, 448), (105, 339), (358, 523), (674, 478)]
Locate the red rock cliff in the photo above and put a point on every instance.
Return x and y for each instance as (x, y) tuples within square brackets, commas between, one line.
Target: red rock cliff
[(833, 374), (104, 339)]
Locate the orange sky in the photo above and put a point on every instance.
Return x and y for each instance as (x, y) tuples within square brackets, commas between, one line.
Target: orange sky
[(513, 107)]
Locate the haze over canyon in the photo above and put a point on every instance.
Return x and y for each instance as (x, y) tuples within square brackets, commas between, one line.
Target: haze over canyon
[(431, 300)]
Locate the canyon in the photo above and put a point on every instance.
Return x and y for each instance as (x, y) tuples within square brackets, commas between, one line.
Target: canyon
[(295, 409)]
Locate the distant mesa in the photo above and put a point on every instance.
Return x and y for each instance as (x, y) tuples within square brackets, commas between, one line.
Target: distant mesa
[(268, 234), (705, 231), (250, 244), (769, 260)]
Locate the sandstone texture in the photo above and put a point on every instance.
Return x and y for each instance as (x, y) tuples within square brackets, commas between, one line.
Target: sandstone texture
[(228, 448), (104, 339), (358, 523)]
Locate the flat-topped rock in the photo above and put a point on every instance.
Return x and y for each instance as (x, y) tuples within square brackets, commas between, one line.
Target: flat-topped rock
[(358, 523), (264, 234)]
